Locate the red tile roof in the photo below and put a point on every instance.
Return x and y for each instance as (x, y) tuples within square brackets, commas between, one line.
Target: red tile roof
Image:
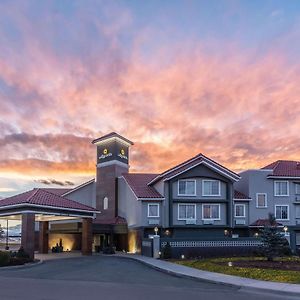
[(42, 197), (191, 163), (112, 135), (263, 223), (57, 191), (139, 185), (239, 195), (284, 168)]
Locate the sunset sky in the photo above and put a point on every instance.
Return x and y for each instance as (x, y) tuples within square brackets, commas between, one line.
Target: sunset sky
[(175, 77)]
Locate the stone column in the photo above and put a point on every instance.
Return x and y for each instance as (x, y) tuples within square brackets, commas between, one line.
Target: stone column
[(87, 236), (27, 238), (43, 237)]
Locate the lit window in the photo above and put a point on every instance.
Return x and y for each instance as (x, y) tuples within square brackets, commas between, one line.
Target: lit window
[(210, 188), (211, 211), (282, 212), (186, 211), (153, 210), (187, 187), (281, 188), (239, 210), (105, 203), (261, 200)]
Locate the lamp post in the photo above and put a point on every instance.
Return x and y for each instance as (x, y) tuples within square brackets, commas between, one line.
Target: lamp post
[(156, 230), (6, 247)]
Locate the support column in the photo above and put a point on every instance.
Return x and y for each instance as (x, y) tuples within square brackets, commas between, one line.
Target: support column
[(87, 236), (43, 237), (27, 238)]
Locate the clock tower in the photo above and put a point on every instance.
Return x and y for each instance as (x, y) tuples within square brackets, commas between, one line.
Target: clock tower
[(112, 162)]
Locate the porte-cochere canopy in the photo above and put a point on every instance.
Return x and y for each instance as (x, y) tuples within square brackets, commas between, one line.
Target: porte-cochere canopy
[(43, 206)]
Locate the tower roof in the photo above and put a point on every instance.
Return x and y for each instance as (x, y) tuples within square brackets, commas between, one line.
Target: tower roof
[(112, 135)]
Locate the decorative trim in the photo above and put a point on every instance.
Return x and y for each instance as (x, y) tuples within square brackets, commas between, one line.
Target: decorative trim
[(113, 162), (204, 244)]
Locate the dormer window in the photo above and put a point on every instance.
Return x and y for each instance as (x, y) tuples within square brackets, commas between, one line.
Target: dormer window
[(187, 187), (211, 188)]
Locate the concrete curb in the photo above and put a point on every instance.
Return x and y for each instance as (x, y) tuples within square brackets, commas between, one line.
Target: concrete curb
[(25, 266), (217, 278)]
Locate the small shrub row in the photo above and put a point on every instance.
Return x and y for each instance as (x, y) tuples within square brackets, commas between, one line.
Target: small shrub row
[(19, 257)]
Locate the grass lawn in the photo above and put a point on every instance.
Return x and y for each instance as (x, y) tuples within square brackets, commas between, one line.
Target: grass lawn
[(220, 265)]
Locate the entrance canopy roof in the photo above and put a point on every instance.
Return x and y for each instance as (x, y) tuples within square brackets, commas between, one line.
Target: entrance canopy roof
[(45, 205)]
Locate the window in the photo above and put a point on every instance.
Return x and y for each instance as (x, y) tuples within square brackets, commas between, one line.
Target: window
[(105, 203), (281, 188), (282, 212), (297, 211), (210, 188), (240, 210), (261, 200), (187, 187), (186, 211), (153, 210), (211, 211), (297, 188)]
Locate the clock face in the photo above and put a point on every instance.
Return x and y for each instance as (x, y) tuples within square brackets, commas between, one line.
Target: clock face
[(105, 151)]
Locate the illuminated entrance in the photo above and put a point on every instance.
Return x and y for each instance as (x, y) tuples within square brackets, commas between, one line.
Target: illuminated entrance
[(42, 206)]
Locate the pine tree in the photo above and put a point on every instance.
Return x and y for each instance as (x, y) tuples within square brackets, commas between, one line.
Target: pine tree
[(274, 244)]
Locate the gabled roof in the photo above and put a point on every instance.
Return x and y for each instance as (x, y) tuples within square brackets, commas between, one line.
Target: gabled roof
[(263, 223), (57, 191), (240, 196), (41, 197), (112, 135), (138, 182), (114, 221), (284, 168), (193, 162), (78, 187)]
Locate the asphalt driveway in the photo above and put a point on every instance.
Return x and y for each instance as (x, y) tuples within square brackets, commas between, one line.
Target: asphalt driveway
[(106, 277)]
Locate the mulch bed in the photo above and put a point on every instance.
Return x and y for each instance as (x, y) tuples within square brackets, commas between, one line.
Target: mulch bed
[(262, 264)]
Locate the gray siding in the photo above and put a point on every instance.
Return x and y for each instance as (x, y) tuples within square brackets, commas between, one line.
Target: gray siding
[(129, 207), (256, 181), (85, 195)]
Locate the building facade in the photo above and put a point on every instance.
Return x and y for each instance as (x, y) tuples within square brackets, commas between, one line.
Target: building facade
[(274, 189)]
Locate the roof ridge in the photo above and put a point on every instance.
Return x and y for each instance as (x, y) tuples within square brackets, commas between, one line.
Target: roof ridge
[(35, 191)]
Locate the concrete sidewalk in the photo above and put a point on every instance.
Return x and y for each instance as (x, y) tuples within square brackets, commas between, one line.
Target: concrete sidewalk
[(243, 282)]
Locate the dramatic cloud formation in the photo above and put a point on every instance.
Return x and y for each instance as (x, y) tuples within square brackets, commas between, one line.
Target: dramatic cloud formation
[(55, 182), (72, 72)]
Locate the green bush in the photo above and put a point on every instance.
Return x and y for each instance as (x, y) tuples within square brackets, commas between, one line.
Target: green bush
[(4, 258), (166, 252)]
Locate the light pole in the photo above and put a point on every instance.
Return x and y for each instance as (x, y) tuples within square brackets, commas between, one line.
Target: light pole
[(6, 247)]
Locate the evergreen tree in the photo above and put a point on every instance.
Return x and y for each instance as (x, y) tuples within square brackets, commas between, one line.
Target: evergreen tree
[(274, 244)]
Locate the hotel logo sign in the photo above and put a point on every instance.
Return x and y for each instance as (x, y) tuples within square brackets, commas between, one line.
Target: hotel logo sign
[(105, 154), (122, 154)]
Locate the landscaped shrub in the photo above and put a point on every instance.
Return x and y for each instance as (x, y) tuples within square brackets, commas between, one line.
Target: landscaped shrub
[(166, 252), (4, 258), (109, 250)]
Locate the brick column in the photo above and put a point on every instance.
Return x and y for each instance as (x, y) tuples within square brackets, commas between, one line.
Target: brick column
[(27, 238), (87, 236), (43, 237)]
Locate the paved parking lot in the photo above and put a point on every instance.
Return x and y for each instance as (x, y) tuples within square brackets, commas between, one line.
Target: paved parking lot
[(106, 277)]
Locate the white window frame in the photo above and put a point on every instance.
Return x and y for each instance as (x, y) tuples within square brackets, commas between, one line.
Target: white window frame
[(154, 204), (238, 204), (288, 212), (212, 219), (194, 180), (184, 219), (211, 180), (288, 188), (296, 191), (266, 198)]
